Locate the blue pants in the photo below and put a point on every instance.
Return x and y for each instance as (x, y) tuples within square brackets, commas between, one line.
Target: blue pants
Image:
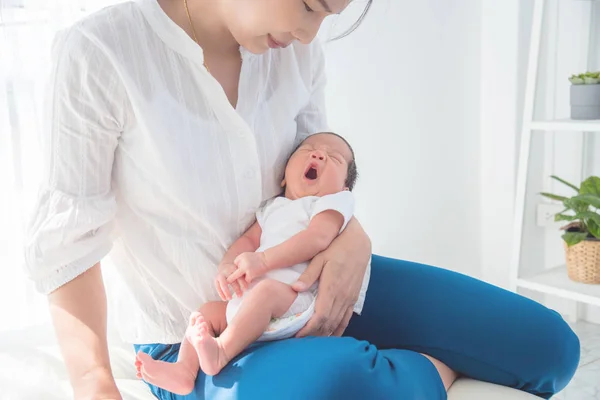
[(477, 329)]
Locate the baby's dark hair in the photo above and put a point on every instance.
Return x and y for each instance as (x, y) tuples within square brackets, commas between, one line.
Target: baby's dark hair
[(352, 174)]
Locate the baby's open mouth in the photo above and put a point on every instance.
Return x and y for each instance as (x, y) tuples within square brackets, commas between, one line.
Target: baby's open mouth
[(311, 173)]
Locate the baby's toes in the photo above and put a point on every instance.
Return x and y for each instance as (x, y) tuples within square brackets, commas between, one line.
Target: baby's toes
[(199, 320), (193, 317)]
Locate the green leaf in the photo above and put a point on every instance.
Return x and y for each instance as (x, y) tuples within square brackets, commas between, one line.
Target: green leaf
[(576, 205), (554, 196), (594, 228), (563, 217), (588, 199), (572, 238), (588, 216), (591, 186), (565, 182)]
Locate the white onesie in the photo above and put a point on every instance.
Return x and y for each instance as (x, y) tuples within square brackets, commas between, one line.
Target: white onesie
[(280, 219)]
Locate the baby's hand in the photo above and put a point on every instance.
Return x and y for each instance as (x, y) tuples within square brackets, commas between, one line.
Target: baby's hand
[(222, 284), (252, 265)]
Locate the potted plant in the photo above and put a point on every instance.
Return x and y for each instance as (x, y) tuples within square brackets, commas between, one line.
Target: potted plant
[(582, 233), (585, 96)]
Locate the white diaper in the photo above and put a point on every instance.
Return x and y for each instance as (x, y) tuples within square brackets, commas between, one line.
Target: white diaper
[(289, 323)]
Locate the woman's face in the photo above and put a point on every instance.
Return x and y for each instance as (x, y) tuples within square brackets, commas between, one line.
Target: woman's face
[(258, 25)]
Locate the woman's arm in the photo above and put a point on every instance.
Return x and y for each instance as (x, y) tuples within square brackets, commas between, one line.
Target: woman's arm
[(78, 311), (341, 269), (70, 230)]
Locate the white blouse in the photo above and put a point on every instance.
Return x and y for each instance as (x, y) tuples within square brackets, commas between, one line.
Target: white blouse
[(145, 155)]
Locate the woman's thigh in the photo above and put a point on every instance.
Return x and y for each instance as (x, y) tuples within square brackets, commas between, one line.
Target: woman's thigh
[(477, 329), (316, 369)]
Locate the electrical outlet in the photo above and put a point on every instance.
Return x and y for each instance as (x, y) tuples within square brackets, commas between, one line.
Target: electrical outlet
[(545, 215)]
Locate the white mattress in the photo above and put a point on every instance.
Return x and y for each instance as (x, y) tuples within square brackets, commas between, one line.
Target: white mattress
[(31, 368)]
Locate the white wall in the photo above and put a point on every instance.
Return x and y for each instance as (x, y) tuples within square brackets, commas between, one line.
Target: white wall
[(404, 88), (498, 131)]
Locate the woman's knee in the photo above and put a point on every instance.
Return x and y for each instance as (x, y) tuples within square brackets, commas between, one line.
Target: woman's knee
[(562, 350), (567, 353)]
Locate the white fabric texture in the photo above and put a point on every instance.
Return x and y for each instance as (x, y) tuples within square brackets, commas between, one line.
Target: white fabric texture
[(26, 32), (280, 219), (145, 155)]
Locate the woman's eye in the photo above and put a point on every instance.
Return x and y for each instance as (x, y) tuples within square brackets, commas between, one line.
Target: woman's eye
[(307, 7)]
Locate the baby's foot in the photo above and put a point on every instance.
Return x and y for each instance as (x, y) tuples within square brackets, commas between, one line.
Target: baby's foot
[(210, 353), (173, 377)]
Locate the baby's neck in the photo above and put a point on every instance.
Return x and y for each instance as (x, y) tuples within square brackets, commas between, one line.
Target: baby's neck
[(288, 194)]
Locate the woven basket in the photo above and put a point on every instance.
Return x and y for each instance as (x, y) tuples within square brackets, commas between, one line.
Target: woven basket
[(583, 261)]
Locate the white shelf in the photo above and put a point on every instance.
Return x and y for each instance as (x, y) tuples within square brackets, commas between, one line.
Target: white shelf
[(555, 281), (567, 125)]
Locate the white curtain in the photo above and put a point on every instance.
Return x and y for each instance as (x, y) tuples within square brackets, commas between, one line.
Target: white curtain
[(27, 28)]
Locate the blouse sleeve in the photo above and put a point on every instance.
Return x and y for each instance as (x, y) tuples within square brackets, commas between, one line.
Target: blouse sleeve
[(70, 227), (342, 202), (312, 118)]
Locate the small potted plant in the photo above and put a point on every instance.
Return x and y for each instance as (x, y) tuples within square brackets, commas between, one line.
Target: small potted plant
[(582, 233), (585, 96)]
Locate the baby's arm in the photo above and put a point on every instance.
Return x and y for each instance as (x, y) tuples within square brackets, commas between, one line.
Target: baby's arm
[(330, 214), (302, 247)]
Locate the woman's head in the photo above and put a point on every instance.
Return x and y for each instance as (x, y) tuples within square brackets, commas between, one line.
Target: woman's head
[(258, 25), (323, 164)]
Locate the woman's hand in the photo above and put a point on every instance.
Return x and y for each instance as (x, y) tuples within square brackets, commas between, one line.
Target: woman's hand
[(239, 286), (341, 269)]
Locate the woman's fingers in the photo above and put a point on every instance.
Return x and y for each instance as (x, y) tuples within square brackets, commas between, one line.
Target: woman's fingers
[(310, 275), (345, 321), (320, 320)]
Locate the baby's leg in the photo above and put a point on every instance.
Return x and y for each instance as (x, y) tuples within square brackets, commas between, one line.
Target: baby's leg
[(269, 298), (180, 377)]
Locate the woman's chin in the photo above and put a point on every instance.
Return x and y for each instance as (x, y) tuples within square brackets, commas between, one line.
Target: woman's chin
[(255, 46)]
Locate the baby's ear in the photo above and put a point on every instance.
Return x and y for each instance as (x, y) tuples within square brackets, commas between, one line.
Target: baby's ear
[(283, 183)]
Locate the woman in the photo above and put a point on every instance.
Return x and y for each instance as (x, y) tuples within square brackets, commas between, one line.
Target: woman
[(170, 122)]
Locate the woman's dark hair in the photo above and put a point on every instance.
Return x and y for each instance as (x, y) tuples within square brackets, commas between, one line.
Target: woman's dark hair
[(357, 23)]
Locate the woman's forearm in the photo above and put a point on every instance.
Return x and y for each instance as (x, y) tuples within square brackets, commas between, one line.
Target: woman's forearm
[(354, 243), (78, 312)]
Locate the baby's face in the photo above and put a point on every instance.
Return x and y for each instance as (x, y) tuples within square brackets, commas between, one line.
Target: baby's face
[(318, 167)]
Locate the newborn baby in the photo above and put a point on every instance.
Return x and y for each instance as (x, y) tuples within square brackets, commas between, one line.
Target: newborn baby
[(261, 265)]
